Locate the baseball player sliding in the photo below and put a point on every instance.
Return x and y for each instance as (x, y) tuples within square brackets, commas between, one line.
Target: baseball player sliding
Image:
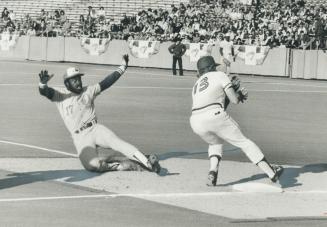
[(76, 107), (212, 123)]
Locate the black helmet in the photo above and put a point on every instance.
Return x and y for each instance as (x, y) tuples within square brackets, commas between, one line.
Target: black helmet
[(206, 64)]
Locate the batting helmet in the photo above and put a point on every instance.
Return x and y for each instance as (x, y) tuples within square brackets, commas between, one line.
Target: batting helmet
[(206, 64), (72, 72)]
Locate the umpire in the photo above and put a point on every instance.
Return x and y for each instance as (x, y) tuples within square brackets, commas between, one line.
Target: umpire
[(177, 49)]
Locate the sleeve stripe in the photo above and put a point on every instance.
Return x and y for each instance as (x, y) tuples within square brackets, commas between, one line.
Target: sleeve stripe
[(228, 86)]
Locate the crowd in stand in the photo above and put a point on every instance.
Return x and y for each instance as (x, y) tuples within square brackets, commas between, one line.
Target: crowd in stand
[(285, 23), (54, 23), (276, 23)]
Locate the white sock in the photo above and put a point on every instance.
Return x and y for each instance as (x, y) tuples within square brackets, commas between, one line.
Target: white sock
[(214, 163), (266, 168), (140, 157)]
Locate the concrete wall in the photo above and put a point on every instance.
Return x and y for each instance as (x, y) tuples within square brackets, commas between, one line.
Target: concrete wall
[(308, 64)]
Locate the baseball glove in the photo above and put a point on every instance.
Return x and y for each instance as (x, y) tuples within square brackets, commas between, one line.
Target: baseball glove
[(243, 94), (45, 77)]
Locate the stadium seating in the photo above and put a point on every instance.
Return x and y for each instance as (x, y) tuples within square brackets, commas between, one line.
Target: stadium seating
[(74, 8)]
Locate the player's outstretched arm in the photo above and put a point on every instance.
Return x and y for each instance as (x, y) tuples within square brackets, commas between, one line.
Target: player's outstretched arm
[(43, 85), (113, 77)]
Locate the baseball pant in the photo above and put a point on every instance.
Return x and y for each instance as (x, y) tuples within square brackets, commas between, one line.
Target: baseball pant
[(86, 143), (215, 126)]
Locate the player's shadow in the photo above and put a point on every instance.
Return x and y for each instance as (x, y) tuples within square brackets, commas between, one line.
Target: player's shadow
[(289, 177), (17, 179)]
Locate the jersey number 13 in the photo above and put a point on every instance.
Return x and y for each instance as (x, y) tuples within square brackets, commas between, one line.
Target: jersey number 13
[(201, 86)]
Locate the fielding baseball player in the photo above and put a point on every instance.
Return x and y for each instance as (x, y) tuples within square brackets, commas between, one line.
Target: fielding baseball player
[(76, 107), (212, 123), (227, 52)]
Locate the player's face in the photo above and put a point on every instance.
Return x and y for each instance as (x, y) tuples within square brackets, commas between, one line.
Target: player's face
[(76, 84)]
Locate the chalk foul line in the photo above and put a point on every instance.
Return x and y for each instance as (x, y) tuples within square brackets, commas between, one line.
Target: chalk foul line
[(149, 195), (38, 148)]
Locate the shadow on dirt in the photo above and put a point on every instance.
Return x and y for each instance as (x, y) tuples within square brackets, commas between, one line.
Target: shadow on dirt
[(290, 176)]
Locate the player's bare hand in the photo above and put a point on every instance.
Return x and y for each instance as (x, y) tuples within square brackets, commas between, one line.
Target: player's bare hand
[(44, 76), (125, 59), (243, 94)]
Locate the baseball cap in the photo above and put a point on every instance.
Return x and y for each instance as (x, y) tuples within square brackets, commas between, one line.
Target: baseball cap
[(72, 72), (206, 61)]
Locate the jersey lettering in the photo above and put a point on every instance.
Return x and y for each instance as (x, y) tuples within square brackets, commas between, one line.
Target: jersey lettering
[(69, 110), (195, 88), (204, 84)]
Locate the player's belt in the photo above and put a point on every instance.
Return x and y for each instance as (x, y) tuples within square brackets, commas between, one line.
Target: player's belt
[(203, 107), (86, 125)]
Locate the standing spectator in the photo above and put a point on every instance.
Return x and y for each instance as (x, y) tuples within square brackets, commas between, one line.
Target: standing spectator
[(43, 28), (5, 13), (82, 24), (177, 49), (12, 16), (43, 15), (63, 17), (101, 14)]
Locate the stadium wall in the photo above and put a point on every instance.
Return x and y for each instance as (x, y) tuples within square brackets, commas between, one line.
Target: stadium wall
[(302, 64), (309, 64)]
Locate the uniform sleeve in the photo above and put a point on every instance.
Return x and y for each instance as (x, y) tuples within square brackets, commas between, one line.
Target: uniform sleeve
[(225, 81), (57, 96), (93, 90)]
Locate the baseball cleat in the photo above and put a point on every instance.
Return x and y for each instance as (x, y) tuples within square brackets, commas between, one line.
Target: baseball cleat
[(154, 161), (278, 172), (212, 178)]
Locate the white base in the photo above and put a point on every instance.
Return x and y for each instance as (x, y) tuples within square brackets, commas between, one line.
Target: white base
[(257, 187)]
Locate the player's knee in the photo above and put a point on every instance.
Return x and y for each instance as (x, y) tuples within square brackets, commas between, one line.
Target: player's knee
[(91, 165), (89, 160), (215, 150)]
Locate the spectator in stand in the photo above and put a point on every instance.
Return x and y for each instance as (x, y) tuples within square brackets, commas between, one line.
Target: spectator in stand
[(5, 13), (82, 24), (12, 16), (31, 31), (269, 23), (125, 20), (66, 28), (57, 15), (43, 15), (63, 17), (101, 14), (42, 29)]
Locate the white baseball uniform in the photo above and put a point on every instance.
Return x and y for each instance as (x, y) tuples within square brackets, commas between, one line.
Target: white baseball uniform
[(227, 49), (78, 114), (212, 123)]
